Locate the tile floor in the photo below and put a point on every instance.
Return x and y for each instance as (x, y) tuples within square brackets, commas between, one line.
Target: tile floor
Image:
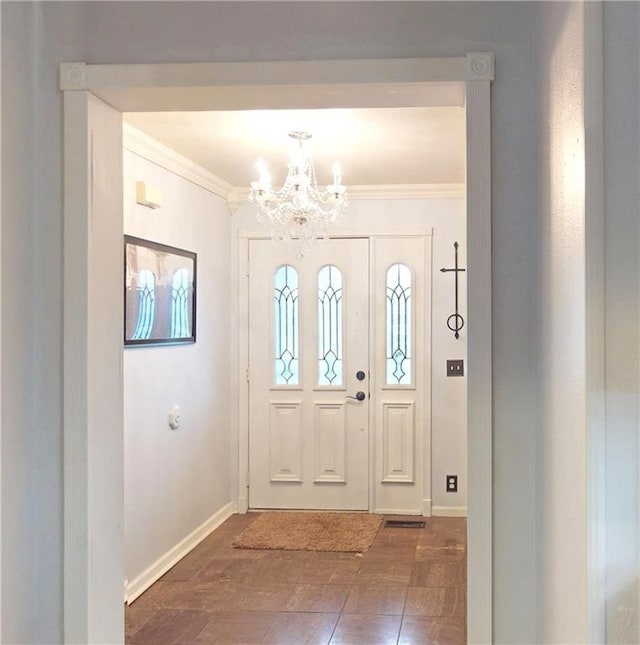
[(409, 588)]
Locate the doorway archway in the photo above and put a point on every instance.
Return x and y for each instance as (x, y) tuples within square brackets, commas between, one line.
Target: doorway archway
[(94, 98)]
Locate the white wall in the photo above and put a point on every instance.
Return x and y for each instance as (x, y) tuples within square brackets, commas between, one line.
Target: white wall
[(571, 317), (207, 31), (447, 219), (622, 199), (177, 480), (19, 453), (562, 543)]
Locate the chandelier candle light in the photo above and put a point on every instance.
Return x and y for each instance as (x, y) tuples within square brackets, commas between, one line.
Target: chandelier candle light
[(299, 213)]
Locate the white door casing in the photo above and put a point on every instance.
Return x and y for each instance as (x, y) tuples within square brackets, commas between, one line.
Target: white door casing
[(93, 363), (130, 87)]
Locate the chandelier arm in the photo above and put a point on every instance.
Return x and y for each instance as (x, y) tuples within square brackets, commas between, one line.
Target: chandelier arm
[(299, 212)]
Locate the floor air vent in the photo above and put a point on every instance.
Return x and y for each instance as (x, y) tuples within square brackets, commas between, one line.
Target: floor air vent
[(404, 524)]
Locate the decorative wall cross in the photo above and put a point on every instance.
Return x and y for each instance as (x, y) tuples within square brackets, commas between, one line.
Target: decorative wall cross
[(455, 322)]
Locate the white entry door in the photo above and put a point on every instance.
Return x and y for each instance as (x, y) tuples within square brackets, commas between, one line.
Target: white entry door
[(309, 376)]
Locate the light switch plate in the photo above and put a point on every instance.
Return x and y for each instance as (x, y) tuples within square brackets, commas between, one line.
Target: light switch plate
[(455, 367)]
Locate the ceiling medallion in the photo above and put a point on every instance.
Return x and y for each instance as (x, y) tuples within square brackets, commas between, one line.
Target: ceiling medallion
[(299, 213)]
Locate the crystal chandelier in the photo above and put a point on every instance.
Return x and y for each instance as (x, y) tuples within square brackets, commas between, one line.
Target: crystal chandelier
[(299, 213)]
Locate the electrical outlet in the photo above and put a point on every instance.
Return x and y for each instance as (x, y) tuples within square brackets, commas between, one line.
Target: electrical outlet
[(452, 483), (455, 367)]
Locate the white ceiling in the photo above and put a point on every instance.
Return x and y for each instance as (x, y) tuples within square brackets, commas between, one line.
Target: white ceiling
[(375, 146)]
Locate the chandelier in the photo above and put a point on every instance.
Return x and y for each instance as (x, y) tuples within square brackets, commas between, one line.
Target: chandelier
[(300, 212)]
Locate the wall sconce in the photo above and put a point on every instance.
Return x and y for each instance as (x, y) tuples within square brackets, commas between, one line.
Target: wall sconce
[(147, 195)]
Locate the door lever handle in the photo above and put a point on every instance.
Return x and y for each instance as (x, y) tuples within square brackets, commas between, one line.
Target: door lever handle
[(360, 396)]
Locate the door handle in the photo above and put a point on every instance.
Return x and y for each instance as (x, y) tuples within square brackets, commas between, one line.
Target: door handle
[(360, 396)]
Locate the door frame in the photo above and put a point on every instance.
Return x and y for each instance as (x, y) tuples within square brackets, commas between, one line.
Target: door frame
[(88, 360), (243, 385)]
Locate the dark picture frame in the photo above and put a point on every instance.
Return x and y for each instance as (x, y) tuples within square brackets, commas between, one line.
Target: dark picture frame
[(159, 293)]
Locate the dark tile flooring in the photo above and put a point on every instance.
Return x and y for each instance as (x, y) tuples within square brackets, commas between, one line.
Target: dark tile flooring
[(409, 588)]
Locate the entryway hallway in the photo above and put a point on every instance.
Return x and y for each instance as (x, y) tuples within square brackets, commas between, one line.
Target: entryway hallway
[(409, 588)]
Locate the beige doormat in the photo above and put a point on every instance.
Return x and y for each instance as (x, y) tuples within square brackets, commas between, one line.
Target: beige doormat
[(340, 532)]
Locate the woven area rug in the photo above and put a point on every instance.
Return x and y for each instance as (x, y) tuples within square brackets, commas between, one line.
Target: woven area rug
[(340, 532)]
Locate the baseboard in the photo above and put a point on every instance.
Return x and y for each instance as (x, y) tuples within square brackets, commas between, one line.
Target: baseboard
[(140, 584), (449, 511), (397, 511)]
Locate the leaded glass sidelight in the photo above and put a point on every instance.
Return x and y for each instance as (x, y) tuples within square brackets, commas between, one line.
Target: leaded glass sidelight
[(329, 326), (180, 304), (146, 290), (286, 354), (398, 353)]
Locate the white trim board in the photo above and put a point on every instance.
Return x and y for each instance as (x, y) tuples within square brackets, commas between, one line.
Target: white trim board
[(91, 599), (152, 573), (79, 76), (398, 511), (346, 233), (408, 191), (479, 360), (449, 511), (279, 84)]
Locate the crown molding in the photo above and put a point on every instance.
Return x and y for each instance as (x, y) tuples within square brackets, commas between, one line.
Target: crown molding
[(408, 191), (238, 195), (145, 146)]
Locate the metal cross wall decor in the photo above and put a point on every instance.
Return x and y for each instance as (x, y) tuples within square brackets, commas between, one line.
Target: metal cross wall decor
[(455, 322)]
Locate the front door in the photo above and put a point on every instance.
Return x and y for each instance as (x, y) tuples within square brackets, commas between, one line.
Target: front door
[(309, 376)]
